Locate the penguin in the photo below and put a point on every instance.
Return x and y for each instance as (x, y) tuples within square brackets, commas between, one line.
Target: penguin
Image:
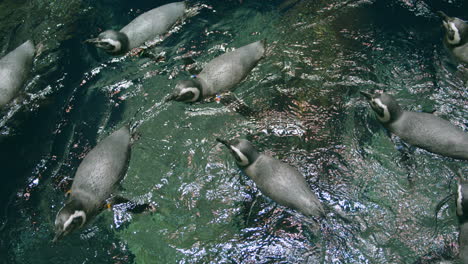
[(279, 181), (221, 74), (145, 27), (462, 213), (14, 69), (456, 37), (95, 181), (419, 129)]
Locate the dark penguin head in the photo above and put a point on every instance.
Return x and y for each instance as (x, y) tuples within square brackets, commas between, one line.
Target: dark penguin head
[(385, 106), (187, 91), (111, 41), (72, 216), (456, 30), (242, 150), (462, 201)]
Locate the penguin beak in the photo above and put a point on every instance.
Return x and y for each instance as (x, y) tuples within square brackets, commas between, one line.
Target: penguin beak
[(93, 41), (57, 236), (367, 95), (443, 15), (171, 98), (224, 142)]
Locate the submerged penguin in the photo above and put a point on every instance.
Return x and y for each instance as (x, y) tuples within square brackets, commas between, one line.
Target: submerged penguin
[(276, 179), (456, 36), (14, 69), (145, 27), (423, 130), (462, 212), (221, 74), (95, 181)]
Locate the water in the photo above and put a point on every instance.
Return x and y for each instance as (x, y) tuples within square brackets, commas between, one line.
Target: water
[(309, 114)]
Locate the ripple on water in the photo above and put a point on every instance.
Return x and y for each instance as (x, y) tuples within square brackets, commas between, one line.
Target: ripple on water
[(308, 113)]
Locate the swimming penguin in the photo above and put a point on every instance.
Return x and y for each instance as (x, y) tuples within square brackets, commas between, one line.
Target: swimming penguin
[(14, 69), (221, 74), (276, 179), (145, 27), (456, 36), (95, 181), (422, 130), (462, 213)]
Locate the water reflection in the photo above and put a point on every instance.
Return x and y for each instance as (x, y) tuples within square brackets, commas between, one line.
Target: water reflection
[(308, 113)]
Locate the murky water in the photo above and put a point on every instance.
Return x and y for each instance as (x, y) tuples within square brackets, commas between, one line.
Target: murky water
[(305, 94)]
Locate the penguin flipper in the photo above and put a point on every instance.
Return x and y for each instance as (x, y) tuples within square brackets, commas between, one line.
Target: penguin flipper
[(234, 103), (129, 205), (188, 60), (141, 208), (429, 111), (191, 66), (437, 209), (117, 200), (133, 125)]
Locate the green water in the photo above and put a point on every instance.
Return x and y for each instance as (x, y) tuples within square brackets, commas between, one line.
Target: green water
[(310, 115)]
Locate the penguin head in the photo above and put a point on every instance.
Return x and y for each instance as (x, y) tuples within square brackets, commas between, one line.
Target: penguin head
[(242, 150), (111, 41), (462, 201), (187, 91), (456, 30), (69, 218), (385, 106)]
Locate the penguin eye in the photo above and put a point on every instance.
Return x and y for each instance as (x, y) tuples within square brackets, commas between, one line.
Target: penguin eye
[(77, 220), (238, 159), (108, 46), (104, 44), (451, 34), (186, 96)]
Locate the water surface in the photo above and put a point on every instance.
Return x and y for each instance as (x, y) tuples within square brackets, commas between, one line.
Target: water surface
[(305, 94)]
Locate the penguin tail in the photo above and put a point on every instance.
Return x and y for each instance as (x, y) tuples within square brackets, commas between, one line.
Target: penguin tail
[(135, 137), (267, 49), (337, 211), (191, 11)]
